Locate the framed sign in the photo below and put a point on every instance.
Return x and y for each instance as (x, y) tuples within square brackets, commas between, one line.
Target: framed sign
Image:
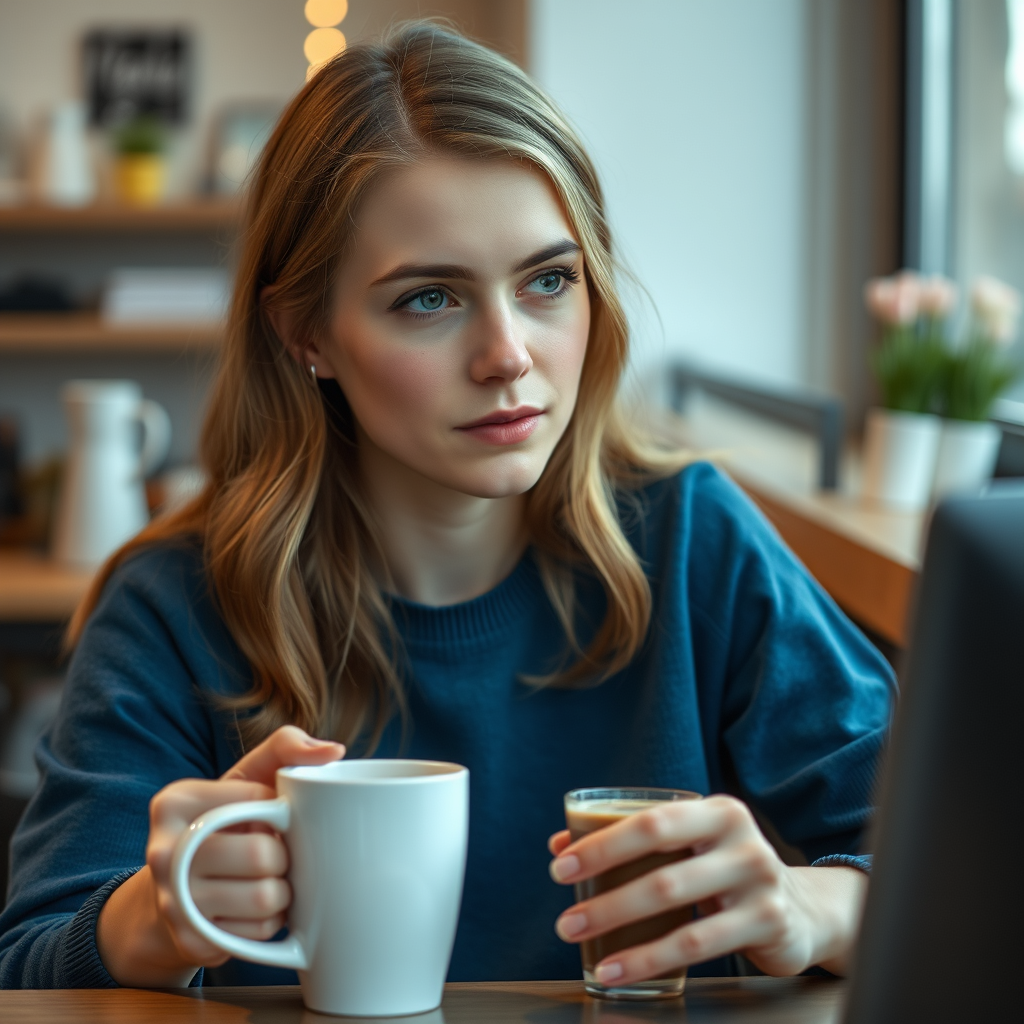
[(133, 72)]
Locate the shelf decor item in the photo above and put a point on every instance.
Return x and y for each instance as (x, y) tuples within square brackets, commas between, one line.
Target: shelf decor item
[(68, 178), (902, 436), (103, 496), (140, 167), (239, 134), (165, 295), (975, 373)]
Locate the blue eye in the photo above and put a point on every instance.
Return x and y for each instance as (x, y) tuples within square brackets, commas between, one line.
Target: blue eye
[(549, 282), (554, 282), (428, 301)]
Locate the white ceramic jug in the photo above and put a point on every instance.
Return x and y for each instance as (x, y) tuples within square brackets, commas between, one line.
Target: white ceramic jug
[(68, 176), (103, 499)]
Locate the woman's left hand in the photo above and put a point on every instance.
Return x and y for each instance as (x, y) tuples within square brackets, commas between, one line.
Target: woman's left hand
[(784, 919)]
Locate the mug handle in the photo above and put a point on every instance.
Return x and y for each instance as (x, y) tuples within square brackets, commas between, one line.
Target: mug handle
[(156, 442), (277, 813)]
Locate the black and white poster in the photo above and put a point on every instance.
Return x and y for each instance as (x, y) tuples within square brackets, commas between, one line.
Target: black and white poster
[(129, 73)]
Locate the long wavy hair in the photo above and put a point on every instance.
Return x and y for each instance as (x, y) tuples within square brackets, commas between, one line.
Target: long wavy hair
[(288, 538)]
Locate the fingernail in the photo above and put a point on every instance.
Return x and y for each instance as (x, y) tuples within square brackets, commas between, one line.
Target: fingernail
[(606, 973), (312, 741), (563, 868), (571, 924)]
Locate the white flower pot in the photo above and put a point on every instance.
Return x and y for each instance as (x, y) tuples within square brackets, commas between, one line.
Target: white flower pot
[(967, 456), (899, 457)]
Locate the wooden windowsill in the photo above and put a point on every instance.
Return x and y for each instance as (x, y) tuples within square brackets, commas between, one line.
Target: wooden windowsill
[(865, 555)]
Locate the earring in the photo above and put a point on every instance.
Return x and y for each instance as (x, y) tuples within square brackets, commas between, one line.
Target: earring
[(312, 370)]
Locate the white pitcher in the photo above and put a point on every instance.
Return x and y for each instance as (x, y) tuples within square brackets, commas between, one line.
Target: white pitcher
[(103, 500)]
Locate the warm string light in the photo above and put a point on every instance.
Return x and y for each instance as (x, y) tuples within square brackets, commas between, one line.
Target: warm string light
[(325, 41)]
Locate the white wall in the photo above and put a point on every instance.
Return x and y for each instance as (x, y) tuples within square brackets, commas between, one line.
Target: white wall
[(694, 112)]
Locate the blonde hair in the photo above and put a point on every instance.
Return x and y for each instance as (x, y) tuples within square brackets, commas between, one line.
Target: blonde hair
[(286, 532)]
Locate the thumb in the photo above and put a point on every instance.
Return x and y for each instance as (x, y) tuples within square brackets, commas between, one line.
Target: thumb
[(286, 746)]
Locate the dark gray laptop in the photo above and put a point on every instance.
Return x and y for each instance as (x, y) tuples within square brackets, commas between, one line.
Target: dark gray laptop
[(943, 932)]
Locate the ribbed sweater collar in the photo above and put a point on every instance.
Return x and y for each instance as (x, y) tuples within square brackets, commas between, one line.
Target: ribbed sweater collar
[(470, 622)]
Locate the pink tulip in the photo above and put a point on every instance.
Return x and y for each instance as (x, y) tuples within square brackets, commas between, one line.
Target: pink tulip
[(938, 297), (996, 308), (894, 300)]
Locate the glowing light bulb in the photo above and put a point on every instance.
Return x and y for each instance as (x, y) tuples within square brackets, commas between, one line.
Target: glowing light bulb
[(325, 13), (322, 44)]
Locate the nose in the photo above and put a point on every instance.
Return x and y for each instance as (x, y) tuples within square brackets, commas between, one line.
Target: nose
[(500, 355)]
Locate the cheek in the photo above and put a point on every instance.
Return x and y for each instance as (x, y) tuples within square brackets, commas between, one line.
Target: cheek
[(562, 353), (389, 386)]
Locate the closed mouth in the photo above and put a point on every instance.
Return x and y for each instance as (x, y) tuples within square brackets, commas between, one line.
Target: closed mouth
[(503, 416)]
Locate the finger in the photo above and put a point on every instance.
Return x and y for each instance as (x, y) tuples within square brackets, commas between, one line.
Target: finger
[(241, 900), (182, 802), (558, 842), (285, 746), (674, 826), (723, 870), (259, 930), (247, 855), (710, 937)]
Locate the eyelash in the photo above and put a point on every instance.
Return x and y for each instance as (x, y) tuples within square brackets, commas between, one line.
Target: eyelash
[(568, 274)]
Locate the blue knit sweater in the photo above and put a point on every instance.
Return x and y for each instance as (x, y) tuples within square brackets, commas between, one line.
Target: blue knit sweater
[(751, 681)]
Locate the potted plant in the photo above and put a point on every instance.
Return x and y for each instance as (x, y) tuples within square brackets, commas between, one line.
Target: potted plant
[(902, 435), (139, 170), (974, 374)]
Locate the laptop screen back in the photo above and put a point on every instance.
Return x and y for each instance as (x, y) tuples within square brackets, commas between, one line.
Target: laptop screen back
[(943, 931)]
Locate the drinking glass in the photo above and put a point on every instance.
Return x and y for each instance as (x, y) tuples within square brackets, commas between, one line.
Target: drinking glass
[(588, 810)]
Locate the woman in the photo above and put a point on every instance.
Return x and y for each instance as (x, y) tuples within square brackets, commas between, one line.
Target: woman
[(428, 530)]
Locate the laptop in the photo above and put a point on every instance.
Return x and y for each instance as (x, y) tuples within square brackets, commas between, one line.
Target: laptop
[(943, 932)]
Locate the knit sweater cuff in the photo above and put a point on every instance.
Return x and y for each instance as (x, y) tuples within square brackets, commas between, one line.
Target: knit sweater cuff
[(845, 860), (81, 966)]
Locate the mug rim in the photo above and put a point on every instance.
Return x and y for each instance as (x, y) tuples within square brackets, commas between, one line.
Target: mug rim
[(296, 772)]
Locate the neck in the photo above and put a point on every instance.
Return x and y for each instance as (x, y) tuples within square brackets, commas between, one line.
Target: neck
[(441, 546)]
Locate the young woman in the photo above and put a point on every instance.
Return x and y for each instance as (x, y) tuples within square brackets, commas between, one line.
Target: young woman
[(428, 530)]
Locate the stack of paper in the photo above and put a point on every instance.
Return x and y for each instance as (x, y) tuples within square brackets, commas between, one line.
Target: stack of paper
[(166, 295)]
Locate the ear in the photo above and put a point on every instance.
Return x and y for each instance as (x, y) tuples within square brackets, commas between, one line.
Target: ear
[(306, 353)]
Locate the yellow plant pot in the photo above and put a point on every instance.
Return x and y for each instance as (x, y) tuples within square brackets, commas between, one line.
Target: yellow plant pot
[(140, 178)]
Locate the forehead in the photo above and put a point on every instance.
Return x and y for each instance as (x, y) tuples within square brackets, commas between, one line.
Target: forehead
[(459, 208)]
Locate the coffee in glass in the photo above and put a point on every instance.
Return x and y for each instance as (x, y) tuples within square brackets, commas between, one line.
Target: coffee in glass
[(588, 810)]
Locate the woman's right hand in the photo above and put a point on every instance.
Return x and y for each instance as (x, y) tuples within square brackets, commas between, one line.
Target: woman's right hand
[(237, 877)]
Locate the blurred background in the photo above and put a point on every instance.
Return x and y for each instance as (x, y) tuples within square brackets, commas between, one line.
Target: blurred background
[(770, 167)]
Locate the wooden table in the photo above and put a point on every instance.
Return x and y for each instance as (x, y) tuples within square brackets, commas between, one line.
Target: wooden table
[(722, 1000)]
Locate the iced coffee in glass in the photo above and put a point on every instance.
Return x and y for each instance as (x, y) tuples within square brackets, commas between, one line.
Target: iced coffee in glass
[(586, 811)]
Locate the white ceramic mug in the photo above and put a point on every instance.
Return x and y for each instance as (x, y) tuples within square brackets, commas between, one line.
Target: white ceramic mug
[(378, 855)]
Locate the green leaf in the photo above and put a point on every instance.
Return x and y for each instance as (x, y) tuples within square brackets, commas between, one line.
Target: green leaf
[(142, 135)]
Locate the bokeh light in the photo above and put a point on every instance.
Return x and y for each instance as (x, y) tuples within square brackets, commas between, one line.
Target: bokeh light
[(325, 13), (322, 44)]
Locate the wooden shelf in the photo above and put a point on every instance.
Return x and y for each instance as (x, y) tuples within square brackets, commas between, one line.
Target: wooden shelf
[(35, 589), (73, 332), (191, 215)]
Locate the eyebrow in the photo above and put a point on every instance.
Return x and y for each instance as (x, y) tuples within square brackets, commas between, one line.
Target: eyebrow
[(454, 271)]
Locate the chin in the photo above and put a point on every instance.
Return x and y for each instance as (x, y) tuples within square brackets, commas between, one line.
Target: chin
[(515, 476)]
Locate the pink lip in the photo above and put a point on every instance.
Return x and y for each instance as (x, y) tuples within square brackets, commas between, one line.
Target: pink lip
[(506, 426)]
